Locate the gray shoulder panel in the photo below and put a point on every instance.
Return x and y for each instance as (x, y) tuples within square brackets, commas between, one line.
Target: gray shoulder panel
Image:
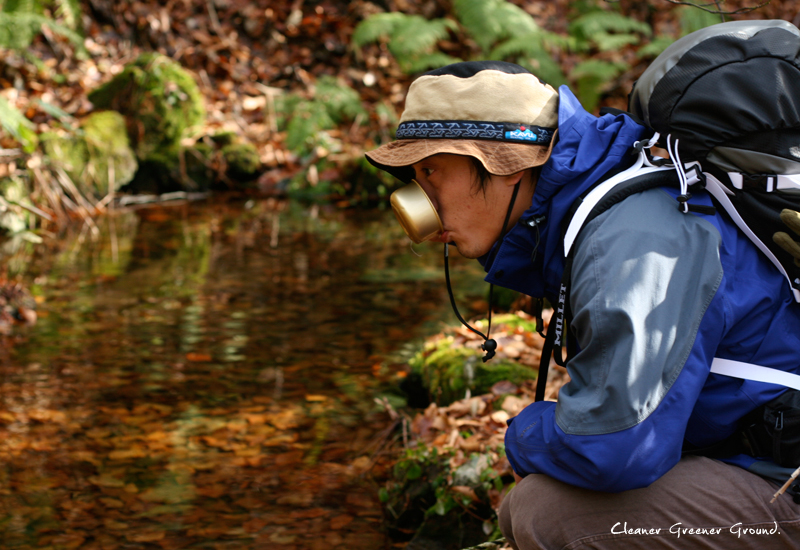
[(643, 276)]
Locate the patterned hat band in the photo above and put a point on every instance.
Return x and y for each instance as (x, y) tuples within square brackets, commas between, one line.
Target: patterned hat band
[(468, 129)]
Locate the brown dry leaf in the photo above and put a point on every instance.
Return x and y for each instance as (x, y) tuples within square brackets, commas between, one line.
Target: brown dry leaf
[(124, 454), (212, 491), (47, 415), (472, 443), (311, 513), (146, 536), (285, 419), (296, 499), (468, 492), (256, 418), (112, 502), (198, 357), (500, 417), (340, 521), (107, 480), (316, 398)]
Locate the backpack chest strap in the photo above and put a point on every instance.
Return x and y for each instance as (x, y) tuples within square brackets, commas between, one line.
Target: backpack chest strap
[(748, 371)]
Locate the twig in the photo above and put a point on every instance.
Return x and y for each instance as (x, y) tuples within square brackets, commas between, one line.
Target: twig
[(785, 485), (31, 209), (212, 14), (704, 7)]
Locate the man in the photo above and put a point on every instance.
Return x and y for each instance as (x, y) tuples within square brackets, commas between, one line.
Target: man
[(655, 295)]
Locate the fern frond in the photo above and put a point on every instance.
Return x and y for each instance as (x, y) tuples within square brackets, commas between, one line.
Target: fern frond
[(70, 12), (341, 101), (489, 21), (609, 42), (17, 30), (532, 43), (693, 19), (22, 6), (608, 30), (416, 35), (604, 70), (655, 47), (544, 67), (594, 77), (15, 123), (308, 119), (428, 61), (375, 27)]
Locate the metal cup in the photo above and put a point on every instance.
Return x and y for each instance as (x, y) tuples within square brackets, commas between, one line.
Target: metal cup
[(415, 212)]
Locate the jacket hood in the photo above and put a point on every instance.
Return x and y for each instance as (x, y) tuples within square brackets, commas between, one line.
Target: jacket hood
[(589, 147)]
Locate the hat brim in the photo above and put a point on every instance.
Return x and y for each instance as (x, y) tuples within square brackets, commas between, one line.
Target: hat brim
[(498, 157)]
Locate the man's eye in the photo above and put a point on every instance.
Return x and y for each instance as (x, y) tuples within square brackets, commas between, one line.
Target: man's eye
[(427, 171)]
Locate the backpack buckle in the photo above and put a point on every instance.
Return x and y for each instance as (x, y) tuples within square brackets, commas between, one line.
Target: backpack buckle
[(761, 182)]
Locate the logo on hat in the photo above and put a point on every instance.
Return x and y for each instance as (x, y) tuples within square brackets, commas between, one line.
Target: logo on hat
[(522, 134)]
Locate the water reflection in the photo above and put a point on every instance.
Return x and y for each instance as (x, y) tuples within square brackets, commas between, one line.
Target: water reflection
[(202, 376)]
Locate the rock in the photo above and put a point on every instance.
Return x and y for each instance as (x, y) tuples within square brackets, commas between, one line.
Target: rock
[(242, 160), (448, 371), (98, 151), (159, 100)]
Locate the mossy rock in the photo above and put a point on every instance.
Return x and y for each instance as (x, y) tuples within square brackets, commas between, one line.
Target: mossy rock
[(447, 371), (98, 157), (159, 99), (243, 161), (110, 153)]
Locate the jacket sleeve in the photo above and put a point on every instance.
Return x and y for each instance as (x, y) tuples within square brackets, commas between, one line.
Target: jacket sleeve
[(644, 276)]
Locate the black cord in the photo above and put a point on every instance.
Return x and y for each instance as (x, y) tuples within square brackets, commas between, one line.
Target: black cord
[(489, 345)]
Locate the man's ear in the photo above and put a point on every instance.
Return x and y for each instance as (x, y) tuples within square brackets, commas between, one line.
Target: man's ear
[(514, 179)]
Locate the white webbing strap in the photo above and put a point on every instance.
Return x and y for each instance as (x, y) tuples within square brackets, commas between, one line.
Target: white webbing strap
[(780, 182), (640, 167), (719, 191), (748, 371)]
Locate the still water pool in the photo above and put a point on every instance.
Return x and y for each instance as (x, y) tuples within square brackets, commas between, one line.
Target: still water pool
[(203, 376)]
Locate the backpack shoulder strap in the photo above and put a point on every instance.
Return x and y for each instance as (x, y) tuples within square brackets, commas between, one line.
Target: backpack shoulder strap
[(639, 177)]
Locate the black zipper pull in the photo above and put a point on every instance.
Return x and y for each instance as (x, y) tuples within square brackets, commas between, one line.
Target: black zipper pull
[(535, 222)]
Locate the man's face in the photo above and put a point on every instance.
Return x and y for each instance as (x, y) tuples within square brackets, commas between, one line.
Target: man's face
[(471, 219)]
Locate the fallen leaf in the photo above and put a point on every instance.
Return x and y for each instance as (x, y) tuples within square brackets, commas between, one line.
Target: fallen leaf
[(340, 521)]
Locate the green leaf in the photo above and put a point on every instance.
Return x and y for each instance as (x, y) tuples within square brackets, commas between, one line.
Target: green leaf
[(593, 77), (415, 35), (655, 47), (414, 471), (428, 61), (15, 123), (341, 101), (608, 30), (693, 19), (376, 27), (489, 21), (70, 12)]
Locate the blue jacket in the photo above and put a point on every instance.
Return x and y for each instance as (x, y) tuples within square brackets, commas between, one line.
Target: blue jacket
[(655, 296)]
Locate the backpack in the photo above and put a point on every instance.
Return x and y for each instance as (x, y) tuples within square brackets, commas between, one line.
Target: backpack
[(728, 97), (725, 103)]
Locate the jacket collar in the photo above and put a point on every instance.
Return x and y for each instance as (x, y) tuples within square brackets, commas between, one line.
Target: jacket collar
[(530, 258)]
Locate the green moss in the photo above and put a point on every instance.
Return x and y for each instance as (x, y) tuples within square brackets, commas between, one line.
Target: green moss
[(159, 99), (447, 371), (110, 154), (242, 159), (223, 138)]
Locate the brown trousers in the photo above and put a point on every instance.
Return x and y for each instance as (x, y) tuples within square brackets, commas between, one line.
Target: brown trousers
[(700, 503)]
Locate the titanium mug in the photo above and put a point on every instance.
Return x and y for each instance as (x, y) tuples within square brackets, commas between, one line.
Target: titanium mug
[(415, 212)]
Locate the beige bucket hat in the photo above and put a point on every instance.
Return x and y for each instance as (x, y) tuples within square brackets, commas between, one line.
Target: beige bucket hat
[(495, 111)]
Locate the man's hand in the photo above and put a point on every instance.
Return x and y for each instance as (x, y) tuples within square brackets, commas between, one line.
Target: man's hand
[(517, 478), (784, 240)]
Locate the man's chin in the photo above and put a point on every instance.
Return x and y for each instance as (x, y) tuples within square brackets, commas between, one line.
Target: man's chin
[(467, 252)]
